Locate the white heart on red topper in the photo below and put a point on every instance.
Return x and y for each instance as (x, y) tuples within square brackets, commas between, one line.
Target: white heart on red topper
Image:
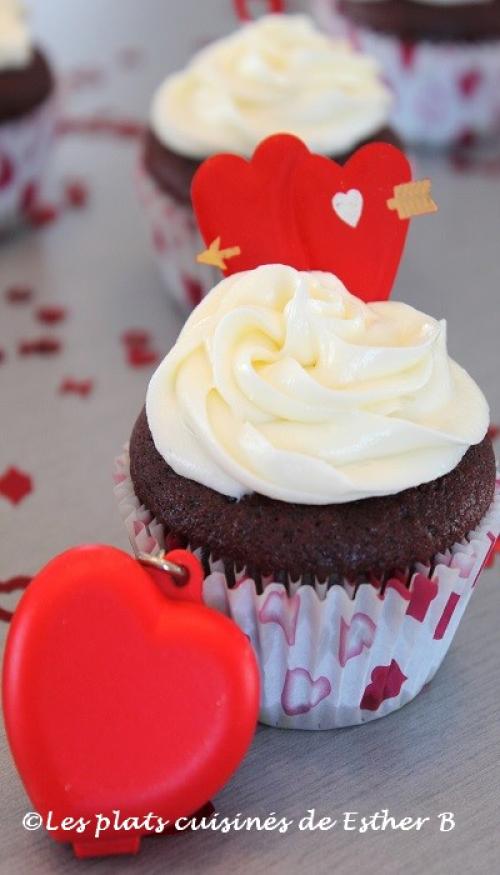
[(348, 206)]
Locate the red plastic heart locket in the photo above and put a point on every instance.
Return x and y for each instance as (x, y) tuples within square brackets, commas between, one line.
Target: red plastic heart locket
[(118, 696)]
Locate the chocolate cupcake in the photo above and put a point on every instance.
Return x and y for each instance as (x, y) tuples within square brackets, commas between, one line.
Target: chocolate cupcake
[(27, 114), (329, 463), (442, 60), (276, 74)]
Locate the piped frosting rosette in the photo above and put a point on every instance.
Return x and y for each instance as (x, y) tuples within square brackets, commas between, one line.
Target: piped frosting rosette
[(283, 383)]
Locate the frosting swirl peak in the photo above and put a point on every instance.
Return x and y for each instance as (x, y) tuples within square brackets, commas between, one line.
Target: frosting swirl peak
[(278, 74), (283, 383)]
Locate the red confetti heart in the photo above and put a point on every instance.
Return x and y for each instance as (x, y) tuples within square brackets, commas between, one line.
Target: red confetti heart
[(40, 215), (76, 387), (193, 289), (289, 206), (15, 485), (139, 356), (76, 193), (136, 337), (19, 294), (386, 682), (12, 585), (493, 432), (51, 315), (39, 346), (2, 356)]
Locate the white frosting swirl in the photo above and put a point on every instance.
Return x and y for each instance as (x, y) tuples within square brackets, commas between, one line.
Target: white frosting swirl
[(15, 41), (277, 74), (283, 383)]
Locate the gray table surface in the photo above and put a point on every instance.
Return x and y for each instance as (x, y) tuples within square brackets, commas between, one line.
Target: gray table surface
[(440, 753)]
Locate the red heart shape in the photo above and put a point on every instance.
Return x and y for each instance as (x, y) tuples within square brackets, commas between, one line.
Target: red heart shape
[(248, 203), (278, 208), (116, 697)]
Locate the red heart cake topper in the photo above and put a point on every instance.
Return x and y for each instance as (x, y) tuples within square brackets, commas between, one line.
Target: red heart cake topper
[(118, 698), (289, 206)]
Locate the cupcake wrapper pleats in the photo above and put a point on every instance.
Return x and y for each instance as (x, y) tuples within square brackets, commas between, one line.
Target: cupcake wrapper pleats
[(25, 144), (338, 656), (444, 91)]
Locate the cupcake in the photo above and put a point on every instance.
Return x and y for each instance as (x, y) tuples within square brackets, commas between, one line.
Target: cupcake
[(442, 60), (27, 114), (318, 450), (276, 74), (329, 464)]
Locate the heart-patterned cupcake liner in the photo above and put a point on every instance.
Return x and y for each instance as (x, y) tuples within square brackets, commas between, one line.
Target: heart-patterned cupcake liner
[(445, 91), (176, 242), (25, 145), (338, 656)]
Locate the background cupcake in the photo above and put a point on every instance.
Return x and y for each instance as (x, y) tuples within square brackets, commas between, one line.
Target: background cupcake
[(277, 74), (442, 60), (329, 464), (27, 114)]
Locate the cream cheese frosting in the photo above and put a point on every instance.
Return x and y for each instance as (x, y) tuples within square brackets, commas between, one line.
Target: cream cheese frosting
[(278, 74), (283, 383), (15, 41)]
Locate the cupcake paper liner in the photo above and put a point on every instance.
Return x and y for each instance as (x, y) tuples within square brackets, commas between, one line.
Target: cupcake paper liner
[(176, 242), (445, 91), (338, 656), (25, 144)]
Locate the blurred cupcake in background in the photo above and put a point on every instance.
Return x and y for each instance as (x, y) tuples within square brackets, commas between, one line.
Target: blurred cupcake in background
[(441, 58), (27, 114), (278, 74)]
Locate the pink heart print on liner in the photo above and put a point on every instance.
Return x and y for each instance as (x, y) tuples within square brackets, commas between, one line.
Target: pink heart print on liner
[(301, 693), (354, 637), (279, 608)]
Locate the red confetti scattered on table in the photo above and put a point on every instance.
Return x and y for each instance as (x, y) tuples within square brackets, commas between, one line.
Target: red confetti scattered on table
[(76, 387), (2, 356), (15, 485), (136, 337), (41, 214), (76, 193), (19, 294), (493, 432), (51, 315), (138, 349), (39, 346), (12, 585), (138, 356), (193, 289)]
